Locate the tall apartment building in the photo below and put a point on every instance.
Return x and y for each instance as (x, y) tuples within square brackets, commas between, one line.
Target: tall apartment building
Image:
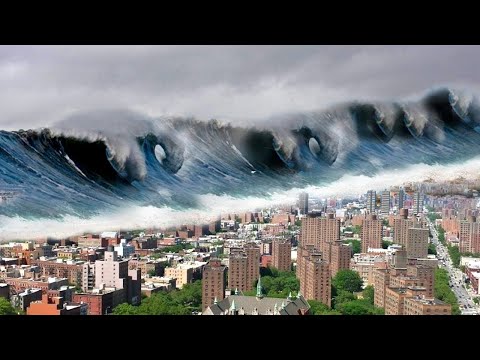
[(381, 281), (320, 232), (469, 235), (282, 254), (385, 202), (340, 255), (417, 202), (315, 283), (401, 196), (371, 233), (417, 243), (253, 264), (303, 203), (400, 229), (213, 283), (114, 273), (426, 276), (244, 268), (371, 201)]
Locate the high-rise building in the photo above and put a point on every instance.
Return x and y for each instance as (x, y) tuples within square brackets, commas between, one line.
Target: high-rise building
[(213, 283), (371, 201), (381, 282), (282, 254), (244, 268), (114, 273), (320, 232), (417, 243), (303, 203), (385, 202), (401, 196), (253, 264), (426, 277), (371, 233), (315, 283), (340, 255), (400, 229), (469, 235), (417, 203), (237, 270)]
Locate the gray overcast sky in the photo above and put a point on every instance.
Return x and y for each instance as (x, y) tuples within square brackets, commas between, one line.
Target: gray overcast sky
[(43, 84)]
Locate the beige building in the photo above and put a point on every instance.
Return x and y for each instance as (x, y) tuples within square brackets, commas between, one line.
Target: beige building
[(365, 265), (183, 273), (371, 233), (282, 254)]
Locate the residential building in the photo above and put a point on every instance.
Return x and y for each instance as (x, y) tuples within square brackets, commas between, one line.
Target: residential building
[(213, 283)]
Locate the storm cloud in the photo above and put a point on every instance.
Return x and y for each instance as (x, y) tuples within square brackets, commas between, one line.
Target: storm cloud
[(40, 85)]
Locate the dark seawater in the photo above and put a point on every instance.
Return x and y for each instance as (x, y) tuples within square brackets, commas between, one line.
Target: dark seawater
[(92, 163)]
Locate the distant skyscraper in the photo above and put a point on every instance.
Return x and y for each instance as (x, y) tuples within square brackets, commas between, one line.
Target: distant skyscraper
[(417, 202), (385, 204), (303, 203), (401, 195), (371, 201)]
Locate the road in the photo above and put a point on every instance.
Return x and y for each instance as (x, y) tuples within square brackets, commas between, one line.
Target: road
[(457, 282)]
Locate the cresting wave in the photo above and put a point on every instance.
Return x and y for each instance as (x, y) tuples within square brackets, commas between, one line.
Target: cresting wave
[(110, 159)]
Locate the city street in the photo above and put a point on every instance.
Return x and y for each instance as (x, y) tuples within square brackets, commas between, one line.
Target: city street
[(457, 283)]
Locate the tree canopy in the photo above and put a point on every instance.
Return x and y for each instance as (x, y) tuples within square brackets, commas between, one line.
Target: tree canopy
[(368, 294), (277, 283), (6, 308), (443, 291), (347, 280), (356, 246), (177, 302)]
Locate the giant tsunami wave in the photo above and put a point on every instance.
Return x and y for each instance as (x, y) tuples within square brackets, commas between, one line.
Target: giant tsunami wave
[(110, 159)]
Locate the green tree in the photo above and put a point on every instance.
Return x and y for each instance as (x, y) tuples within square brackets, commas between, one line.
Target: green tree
[(368, 294), (319, 308), (476, 300), (341, 297), (152, 272), (386, 244), (432, 249), (6, 308), (455, 255), (356, 246), (125, 309), (358, 307), (347, 280), (442, 290)]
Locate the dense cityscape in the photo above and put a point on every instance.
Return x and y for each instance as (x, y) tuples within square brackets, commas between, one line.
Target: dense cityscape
[(407, 250)]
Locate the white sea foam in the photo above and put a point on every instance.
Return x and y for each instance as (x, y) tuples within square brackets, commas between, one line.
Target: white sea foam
[(135, 217)]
